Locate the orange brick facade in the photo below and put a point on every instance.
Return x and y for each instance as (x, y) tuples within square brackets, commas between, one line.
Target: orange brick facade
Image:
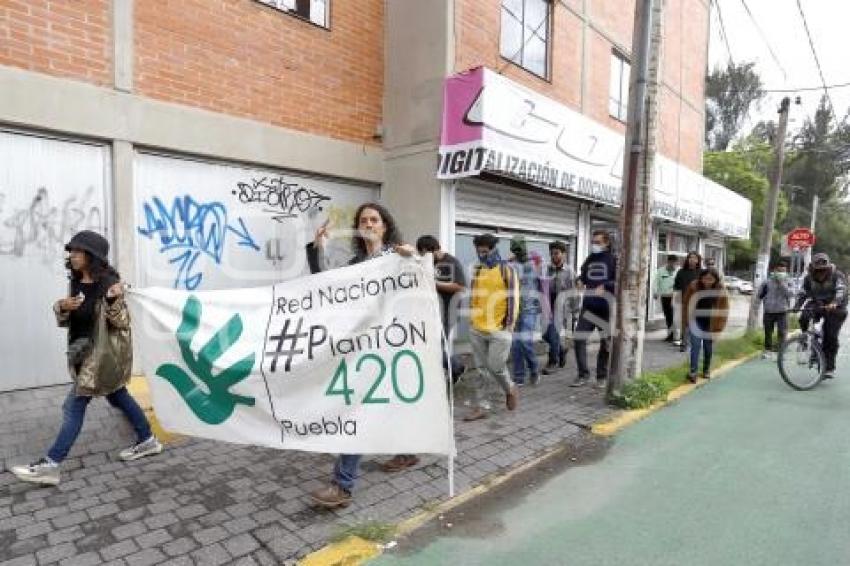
[(70, 38), (236, 57), (609, 27), (243, 58)]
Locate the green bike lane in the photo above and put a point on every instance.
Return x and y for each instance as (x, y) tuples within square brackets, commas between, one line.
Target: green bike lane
[(742, 471)]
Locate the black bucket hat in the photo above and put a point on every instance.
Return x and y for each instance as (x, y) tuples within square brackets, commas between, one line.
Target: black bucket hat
[(90, 242)]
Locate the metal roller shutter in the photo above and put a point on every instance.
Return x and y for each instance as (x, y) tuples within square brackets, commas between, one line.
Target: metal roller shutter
[(491, 204)]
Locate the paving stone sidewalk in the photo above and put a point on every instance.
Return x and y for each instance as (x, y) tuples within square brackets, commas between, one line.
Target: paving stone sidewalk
[(205, 502)]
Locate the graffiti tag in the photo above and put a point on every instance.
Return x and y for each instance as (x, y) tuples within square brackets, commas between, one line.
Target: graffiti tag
[(188, 230), (282, 199), (43, 227)]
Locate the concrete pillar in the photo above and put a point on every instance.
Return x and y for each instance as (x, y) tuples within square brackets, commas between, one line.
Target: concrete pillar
[(123, 222), (420, 47), (122, 44)]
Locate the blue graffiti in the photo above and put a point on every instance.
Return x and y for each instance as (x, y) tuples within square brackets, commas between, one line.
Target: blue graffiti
[(189, 229)]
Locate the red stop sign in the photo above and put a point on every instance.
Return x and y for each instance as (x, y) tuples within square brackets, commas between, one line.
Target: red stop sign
[(801, 238)]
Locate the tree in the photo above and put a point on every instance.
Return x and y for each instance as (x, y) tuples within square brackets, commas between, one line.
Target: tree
[(742, 171), (819, 164), (729, 94)]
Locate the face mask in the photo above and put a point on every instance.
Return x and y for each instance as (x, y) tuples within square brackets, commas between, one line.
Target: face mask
[(780, 275), (596, 249)]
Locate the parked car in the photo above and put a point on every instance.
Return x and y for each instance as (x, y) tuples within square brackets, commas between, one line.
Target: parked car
[(734, 283), (745, 287)]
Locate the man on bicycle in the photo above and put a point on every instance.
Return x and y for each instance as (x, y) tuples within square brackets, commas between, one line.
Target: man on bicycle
[(826, 289)]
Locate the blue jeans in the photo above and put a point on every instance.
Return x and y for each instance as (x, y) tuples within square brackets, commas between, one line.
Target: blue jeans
[(557, 352), (697, 340), (74, 412), (523, 346), (345, 470)]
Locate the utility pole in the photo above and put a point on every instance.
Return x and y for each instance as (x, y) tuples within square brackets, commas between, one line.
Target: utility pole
[(635, 212), (815, 204), (770, 213)]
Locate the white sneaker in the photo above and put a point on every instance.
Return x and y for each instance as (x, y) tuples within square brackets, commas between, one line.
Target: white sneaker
[(149, 447), (42, 472)]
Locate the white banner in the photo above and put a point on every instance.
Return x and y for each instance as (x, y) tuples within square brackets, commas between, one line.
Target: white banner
[(346, 361)]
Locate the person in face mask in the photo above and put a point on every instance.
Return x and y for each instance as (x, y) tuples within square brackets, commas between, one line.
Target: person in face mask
[(598, 279), (776, 295), (826, 288), (494, 308)]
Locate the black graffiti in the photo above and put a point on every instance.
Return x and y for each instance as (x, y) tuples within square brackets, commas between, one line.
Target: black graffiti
[(44, 227), (283, 200)]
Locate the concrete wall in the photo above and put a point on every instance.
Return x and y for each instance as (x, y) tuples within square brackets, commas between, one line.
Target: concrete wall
[(419, 37)]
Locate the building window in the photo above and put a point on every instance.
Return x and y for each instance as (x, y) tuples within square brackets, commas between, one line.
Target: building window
[(315, 11), (618, 100), (525, 34)]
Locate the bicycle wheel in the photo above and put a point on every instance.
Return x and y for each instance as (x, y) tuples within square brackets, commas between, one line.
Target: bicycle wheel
[(801, 362)]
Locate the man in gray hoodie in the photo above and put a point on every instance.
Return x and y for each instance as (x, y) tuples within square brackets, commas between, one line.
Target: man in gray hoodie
[(776, 295)]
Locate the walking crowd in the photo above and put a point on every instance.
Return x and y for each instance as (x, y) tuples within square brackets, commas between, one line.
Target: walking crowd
[(507, 301)]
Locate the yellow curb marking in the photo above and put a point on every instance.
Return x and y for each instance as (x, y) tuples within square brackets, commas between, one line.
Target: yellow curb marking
[(618, 422), (351, 551), (138, 388), (409, 525)]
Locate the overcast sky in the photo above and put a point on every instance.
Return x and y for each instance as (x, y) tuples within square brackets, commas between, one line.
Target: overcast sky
[(782, 26)]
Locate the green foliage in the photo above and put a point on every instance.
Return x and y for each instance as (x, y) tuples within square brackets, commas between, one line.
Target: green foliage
[(374, 531), (653, 387), (818, 166), (743, 170)]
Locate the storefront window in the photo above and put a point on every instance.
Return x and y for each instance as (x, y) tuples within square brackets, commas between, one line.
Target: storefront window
[(673, 243)]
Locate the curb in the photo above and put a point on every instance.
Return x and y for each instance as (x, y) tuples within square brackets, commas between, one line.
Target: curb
[(626, 418), (350, 551)]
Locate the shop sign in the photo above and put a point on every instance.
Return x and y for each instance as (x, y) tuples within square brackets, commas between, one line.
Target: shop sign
[(495, 125)]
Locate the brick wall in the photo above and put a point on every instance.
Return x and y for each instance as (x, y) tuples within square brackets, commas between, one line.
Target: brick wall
[(64, 38), (243, 58), (611, 22)]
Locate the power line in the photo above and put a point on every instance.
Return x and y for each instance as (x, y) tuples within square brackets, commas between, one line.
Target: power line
[(723, 32), (808, 88), (814, 53), (764, 39)]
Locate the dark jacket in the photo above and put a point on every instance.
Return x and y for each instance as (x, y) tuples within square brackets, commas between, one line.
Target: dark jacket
[(684, 277), (598, 270), (833, 289), (316, 260)]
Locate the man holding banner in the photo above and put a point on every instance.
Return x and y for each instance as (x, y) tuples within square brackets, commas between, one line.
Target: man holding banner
[(322, 363)]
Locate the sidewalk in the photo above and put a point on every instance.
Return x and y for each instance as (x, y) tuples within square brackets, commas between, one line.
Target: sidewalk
[(213, 503)]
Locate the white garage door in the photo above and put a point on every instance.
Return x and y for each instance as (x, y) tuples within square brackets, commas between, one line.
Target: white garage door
[(211, 225), (49, 190), (492, 204)]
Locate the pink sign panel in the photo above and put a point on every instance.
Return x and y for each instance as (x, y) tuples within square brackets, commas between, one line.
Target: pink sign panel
[(460, 91)]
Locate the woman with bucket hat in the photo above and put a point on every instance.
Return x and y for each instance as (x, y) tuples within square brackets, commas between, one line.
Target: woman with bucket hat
[(99, 355)]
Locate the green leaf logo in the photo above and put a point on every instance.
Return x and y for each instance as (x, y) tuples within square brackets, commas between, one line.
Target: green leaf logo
[(216, 406)]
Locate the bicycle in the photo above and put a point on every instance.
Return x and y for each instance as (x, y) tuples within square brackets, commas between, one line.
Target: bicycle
[(801, 360)]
